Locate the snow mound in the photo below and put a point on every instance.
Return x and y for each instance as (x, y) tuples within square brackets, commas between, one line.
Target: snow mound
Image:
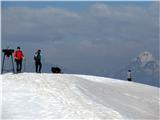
[(63, 96)]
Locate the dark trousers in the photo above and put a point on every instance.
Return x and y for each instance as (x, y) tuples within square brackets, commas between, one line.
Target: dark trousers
[(19, 65), (38, 67)]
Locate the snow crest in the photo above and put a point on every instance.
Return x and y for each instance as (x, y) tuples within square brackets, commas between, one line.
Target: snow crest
[(47, 96)]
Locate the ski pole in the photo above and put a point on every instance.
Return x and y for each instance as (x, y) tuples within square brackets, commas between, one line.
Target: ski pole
[(24, 65)]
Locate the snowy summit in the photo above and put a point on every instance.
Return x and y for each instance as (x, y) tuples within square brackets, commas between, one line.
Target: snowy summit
[(144, 68), (65, 96), (145, 57)]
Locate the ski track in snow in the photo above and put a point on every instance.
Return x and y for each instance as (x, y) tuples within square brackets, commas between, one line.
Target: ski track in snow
[(48, 96), (68, 96)]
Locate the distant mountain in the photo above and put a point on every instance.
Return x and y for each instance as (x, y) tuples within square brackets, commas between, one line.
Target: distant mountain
[(145, 69)]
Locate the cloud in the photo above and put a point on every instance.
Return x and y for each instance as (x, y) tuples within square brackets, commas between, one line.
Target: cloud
[(101, 21), (34, 24), (101, 34)]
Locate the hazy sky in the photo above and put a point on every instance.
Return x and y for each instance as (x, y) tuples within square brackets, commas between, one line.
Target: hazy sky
[(81, 37)]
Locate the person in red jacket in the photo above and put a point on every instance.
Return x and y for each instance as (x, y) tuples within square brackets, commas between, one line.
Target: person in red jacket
[(19, 56)]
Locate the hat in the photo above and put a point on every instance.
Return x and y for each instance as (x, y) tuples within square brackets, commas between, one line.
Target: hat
[(39, 50)]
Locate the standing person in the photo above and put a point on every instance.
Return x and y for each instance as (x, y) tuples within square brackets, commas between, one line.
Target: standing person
[(19, 56), (129, 78), (37, 58)]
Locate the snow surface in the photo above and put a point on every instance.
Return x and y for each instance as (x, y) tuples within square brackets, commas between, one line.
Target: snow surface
[(65, 96)]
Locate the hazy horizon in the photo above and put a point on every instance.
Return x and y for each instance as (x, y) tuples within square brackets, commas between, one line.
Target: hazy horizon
[(95, 38)]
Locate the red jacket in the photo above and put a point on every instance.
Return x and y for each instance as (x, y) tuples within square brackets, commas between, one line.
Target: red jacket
[(18, 55)]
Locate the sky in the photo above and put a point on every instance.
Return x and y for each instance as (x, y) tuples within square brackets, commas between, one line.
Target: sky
[(96, 38)]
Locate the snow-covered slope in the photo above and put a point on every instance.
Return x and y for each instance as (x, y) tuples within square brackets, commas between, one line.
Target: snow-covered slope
[(62, 96)]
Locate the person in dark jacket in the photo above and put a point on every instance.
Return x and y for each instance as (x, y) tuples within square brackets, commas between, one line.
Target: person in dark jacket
[(38, 64), (19, 56), (129, 77)]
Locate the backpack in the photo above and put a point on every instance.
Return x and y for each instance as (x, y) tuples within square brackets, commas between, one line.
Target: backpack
[(37, 57)]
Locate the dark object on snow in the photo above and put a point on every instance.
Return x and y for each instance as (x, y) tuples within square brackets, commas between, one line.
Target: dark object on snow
[(7, 53), (56, 70)]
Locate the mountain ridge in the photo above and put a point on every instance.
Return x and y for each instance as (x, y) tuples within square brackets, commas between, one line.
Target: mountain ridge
[(145, 69)]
